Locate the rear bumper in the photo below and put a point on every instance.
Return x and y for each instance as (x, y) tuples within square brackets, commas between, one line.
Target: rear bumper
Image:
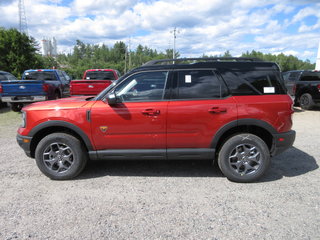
[(24, 142), (282, 142), (24, 99)]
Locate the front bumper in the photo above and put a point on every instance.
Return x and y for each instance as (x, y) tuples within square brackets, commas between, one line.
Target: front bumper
[(25, 143), (282, 141)]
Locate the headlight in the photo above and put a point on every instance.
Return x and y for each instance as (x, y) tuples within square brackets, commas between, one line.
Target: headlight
[(24, 119)]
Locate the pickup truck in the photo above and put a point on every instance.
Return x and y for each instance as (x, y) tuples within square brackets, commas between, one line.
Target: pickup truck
[(5, 76), (93, 81), (35, 85), (304, 87)]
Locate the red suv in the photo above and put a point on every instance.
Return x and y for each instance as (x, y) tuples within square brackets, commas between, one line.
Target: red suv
[(233, 110)]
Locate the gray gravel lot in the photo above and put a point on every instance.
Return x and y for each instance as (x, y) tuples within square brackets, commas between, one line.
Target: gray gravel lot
[(162, 199)]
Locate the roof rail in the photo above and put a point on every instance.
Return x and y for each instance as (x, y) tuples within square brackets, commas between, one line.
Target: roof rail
[(194, 60)]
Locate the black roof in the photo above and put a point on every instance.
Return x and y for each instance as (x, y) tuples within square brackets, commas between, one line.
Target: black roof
[(235, 64)]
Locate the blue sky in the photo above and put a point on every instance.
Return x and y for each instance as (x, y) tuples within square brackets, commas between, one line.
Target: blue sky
[(208, 27)]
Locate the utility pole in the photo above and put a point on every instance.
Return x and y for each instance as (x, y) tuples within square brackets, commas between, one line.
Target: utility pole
[(23, 26), (175, 31), (318, 59)]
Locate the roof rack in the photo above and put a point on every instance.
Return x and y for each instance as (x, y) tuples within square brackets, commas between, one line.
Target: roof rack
[(195, 60)]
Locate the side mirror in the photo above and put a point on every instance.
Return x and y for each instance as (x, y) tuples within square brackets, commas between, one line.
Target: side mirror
[(112, 99)]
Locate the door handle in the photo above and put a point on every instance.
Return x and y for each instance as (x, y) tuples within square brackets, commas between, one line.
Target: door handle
[(151, 112), (217, 110)]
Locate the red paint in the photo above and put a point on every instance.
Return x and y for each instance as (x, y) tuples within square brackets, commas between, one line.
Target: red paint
[(93, 86)]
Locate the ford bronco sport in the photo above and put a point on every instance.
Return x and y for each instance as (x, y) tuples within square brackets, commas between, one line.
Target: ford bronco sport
[(233, 110)]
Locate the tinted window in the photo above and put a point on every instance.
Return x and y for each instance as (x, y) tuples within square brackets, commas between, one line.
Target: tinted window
[(61, 76), (2, 77), (148, 86), (39, 76), (258, 82), (196, 84), (100, 75), (7, 76), (294, 76), (310, 76)]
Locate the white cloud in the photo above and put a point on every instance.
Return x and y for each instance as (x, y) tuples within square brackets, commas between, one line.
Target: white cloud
[(206, 26)]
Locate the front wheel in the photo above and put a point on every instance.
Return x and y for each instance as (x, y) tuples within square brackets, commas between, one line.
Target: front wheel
[(244, 158), (60, 156)]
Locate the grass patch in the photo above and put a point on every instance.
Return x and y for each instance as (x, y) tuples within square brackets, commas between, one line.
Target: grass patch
[(9, 118)]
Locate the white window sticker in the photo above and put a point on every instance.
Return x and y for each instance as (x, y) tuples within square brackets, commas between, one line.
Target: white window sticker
[(268, 90), (187, 78), (27, 73), (88, 78)]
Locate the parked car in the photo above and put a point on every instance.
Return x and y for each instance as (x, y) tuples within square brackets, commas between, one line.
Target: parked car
[(304, 87), (93, 81), (235, 111), (36, 85), (3, 77)]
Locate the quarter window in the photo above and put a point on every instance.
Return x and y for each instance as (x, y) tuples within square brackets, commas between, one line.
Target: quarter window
[(147, 86)]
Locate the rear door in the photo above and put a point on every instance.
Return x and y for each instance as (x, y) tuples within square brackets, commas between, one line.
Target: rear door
[(200, 105)]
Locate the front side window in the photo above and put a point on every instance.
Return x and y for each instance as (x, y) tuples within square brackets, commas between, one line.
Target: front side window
[(147, 86), (199, 84)]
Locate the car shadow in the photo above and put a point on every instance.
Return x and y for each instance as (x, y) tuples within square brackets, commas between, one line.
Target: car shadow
[(150, 168), (298, 109), (291, 163), (4, 109)]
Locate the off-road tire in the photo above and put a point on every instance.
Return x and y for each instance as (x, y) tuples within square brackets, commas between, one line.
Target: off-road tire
[(61, 156), (244, 158)]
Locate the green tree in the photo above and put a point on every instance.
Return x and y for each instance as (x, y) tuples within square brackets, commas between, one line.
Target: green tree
[(18, 52)]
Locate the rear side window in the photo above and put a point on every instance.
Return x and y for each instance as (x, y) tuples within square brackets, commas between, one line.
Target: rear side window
[(294, 76), (199, 84), (310, 76), (254, 82)]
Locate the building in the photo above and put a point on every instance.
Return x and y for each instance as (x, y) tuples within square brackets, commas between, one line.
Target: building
[(49, 47)]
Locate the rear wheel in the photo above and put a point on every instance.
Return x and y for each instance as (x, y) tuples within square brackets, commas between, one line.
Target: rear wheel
[(60, 156), (306, 101), (244, 158), (16, 107)]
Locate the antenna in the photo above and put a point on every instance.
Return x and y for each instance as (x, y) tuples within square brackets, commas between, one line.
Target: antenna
[(23, 26)]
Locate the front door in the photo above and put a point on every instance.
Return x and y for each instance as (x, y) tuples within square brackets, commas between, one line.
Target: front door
[(139, 120)]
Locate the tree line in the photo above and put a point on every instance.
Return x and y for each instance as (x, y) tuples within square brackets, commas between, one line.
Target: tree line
[(19, 52)]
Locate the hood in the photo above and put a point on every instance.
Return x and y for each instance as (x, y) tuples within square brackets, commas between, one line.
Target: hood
[(63, 103)]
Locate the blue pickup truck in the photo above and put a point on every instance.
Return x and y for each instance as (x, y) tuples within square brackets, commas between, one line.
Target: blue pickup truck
[(35, 85)]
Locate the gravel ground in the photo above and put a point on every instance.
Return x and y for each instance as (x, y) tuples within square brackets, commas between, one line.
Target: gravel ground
[(162, 200)]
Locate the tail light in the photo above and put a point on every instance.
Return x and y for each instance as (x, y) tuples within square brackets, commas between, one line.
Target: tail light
[(1, 90), (45, 87), (318, 86)]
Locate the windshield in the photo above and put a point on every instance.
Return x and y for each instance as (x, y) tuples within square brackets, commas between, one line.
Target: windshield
[(39, 76), (100, 75)]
